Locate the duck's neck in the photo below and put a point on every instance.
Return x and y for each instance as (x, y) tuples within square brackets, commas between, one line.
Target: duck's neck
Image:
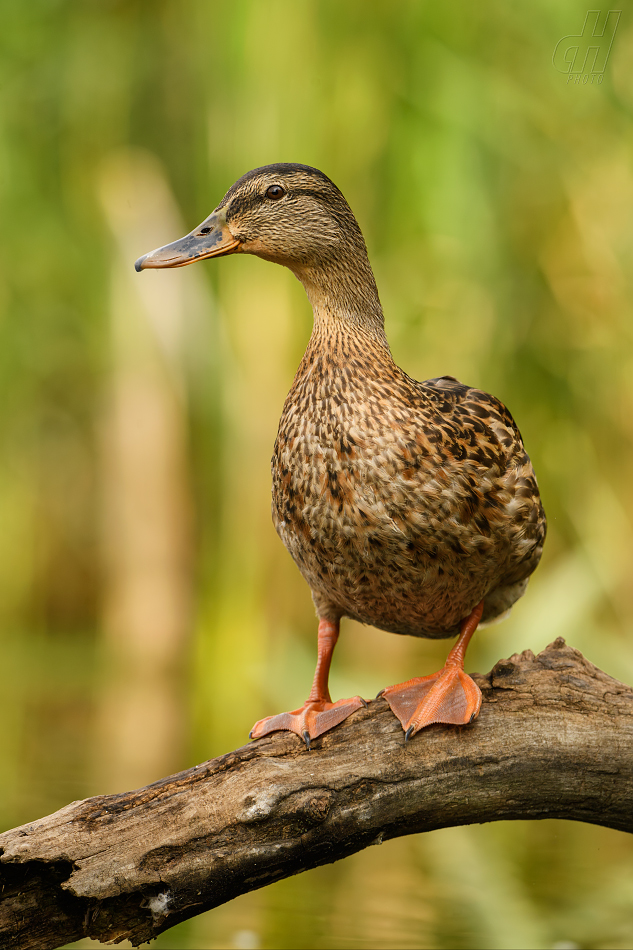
[(345, 302)]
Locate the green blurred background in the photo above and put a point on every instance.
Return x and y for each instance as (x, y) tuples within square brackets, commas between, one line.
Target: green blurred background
[(149, 613)]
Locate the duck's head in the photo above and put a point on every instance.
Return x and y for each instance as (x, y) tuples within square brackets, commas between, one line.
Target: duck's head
[(290, 214)]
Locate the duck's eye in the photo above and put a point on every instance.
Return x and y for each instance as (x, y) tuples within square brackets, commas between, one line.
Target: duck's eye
[(275, 192)]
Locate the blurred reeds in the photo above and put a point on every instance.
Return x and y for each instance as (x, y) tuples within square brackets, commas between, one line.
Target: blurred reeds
[(149, 612)]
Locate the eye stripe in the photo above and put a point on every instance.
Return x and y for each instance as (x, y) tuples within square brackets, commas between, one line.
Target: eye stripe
[(248, 200), (242, 203)]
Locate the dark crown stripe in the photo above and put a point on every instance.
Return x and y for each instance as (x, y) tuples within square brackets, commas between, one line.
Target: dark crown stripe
[(280, 170)]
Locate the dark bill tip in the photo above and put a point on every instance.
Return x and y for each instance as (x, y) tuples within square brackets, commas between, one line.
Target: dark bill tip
[(138, 266)]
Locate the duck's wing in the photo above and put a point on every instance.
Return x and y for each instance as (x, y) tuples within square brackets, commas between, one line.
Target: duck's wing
[(471, 426), (477, 425)]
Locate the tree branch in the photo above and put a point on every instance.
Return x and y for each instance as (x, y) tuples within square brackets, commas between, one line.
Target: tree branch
[(554, 740)]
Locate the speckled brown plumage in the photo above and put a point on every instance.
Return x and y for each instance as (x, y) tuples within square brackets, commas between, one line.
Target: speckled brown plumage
[(405, 504)]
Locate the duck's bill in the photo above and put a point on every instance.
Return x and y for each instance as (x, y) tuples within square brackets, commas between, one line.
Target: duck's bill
[(212, 238)]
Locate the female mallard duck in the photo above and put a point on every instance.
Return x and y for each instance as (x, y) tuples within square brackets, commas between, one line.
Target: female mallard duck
[(410, 506)]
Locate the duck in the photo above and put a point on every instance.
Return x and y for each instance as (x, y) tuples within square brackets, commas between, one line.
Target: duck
[(410, 506)]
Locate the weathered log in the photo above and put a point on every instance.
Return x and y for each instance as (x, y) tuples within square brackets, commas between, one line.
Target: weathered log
[(554, 740)]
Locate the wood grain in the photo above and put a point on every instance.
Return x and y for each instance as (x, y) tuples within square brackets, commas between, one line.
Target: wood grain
[(554, 740)]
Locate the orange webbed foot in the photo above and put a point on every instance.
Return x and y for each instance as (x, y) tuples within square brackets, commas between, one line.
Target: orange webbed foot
[(449, 696), (310, 720)]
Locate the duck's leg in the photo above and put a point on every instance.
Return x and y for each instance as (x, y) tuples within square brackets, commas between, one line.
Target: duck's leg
[(449, 696), (318, 714)]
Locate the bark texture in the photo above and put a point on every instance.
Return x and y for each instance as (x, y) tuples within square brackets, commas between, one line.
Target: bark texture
[(554, 740)]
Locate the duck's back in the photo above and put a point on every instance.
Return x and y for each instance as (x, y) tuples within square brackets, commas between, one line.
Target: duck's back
[(403, 503)]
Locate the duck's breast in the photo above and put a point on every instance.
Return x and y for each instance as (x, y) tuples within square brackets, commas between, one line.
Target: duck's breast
[(402, 503)]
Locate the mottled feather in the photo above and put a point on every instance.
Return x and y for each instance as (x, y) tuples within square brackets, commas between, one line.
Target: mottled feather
[(403, 503)]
